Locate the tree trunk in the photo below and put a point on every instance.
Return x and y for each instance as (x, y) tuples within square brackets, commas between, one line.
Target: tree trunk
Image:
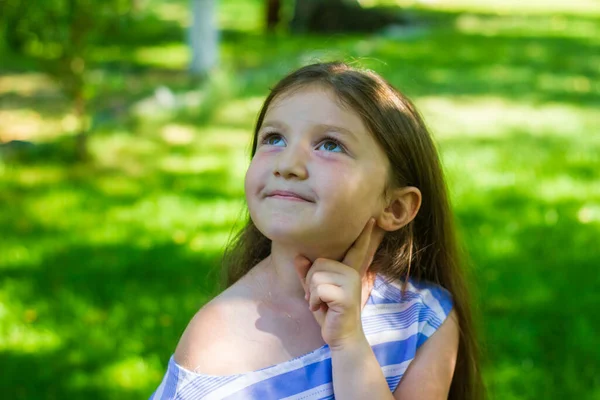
[(203, 37), (273, 16), (304, 11), (81, 140)]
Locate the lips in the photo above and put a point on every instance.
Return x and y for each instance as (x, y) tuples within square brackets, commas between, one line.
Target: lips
[(289, 195)]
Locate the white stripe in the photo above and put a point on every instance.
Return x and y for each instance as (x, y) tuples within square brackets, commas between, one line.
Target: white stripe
[(395, 369), (430, 301), (371, 310), (253, 377), (428, 330), (393, 335), (315, 393)]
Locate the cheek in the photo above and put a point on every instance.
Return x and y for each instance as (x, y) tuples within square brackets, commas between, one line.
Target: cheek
[(252, 182), (351, 194), (254, 172), (343, 191)]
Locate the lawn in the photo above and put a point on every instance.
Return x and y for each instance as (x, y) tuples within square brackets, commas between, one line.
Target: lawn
[(102, 264)]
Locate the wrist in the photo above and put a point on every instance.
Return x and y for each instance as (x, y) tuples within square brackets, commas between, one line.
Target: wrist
[(354, 341)]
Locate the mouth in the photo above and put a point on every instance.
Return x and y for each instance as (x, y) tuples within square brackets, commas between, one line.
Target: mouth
[(288, 195)]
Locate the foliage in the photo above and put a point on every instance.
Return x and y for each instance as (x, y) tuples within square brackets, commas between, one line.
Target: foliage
[(60, 34)]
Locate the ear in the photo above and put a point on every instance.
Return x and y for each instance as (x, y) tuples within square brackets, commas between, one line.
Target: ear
[(401, 207)]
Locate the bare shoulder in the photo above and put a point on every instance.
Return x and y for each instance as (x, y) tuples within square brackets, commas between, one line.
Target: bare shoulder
[(203, 337), (430, 373)]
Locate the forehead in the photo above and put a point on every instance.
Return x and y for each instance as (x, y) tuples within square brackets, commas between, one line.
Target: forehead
[(314, 105)]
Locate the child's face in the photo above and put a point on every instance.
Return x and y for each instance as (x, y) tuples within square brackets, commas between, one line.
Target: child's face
[(342, 183)]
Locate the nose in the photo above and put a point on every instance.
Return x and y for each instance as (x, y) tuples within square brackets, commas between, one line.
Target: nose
[(291, 162)]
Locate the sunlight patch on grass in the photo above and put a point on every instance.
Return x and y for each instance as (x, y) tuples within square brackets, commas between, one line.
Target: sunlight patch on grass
[(494, 117), (172, 56), (124, 151), (242, 112), (119, 185), (572, 7), (52, 208), (130, 373), (215, 136), (173, 11), (241, 15), (27, 339), (30, 124), (35, 176), (15, 255), (159, 216), (19, 328), (28, 84), (209, 242), (589, 213), (527, 26), (565, 187), (237, 142), (178, 134), (192, 164)]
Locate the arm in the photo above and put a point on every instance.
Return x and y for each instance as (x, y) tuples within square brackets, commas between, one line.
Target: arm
[(429, 375), (358, 375)]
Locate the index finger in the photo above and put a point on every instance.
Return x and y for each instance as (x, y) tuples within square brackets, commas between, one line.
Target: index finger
[(357, 253)]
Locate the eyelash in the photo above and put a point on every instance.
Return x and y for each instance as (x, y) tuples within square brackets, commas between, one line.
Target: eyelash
[(326, 138)]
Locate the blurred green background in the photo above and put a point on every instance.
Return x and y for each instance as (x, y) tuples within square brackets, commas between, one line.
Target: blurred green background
[(104, 259)]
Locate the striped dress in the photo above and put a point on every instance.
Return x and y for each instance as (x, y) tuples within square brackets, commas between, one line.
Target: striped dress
[(395, 325)]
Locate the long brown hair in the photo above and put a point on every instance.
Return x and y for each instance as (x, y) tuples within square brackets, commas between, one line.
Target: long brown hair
[(426, 248)]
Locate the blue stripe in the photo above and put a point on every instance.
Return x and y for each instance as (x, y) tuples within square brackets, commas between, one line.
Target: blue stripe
[(393, 381), (396, 352), (393, 298), (400, 320), (393, 293), (170, 384), (204, 385), (289, 383), (439, 293), (421, 339), (410, 323)]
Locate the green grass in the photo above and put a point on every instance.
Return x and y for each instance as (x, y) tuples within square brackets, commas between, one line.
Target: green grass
[(102, 265)]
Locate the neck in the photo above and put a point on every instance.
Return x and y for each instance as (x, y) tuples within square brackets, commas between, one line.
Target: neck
[(277, 274)]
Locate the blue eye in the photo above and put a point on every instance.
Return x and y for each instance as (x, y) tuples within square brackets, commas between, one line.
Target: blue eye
[(272, 139), (330, 145)]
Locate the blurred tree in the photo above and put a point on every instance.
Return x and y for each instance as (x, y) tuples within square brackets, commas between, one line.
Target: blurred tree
[(341, 16), (273, 8), (60, 34), (204, 38)]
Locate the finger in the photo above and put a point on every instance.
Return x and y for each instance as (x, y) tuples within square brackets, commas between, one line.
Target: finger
[(313, 280), (324, 294), (326, 271), (358, 251), (376, 239)]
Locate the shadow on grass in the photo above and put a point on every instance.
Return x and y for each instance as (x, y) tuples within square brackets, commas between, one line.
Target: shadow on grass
[(536, 279), (107, 304)]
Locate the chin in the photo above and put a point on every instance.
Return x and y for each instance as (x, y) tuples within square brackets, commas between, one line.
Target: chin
[(286, 227)]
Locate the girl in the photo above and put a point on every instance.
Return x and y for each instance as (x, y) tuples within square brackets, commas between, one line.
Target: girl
[(345, 280)]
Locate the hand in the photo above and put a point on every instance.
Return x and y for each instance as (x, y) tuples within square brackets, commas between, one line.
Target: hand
[(336, 291)]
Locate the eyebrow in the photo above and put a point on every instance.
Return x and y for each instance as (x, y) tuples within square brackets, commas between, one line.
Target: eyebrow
[(320, 127)]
